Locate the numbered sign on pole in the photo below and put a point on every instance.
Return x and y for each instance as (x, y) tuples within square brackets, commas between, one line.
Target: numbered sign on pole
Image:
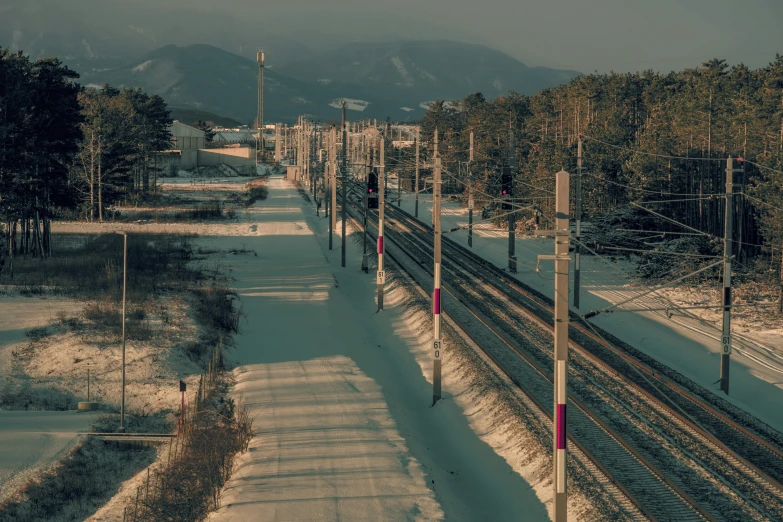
[(381, 279), (726, 344), (436, 349), (470, 203)]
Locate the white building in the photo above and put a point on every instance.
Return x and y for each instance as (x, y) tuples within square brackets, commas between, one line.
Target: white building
[(189, 151)]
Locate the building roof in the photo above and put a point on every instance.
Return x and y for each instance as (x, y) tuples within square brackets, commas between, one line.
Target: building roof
[(234, 136), (178, 128)]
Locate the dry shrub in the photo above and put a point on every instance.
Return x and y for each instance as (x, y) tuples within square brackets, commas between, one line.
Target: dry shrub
[(106, 316), (217, 430), (211, 210), (216, 310), (93, 270), (74, 489)]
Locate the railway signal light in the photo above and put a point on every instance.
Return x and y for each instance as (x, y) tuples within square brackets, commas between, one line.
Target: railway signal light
[(372, 188), (506, 187)]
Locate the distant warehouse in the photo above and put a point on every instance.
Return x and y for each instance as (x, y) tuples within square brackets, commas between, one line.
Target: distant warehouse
[(189, 151)]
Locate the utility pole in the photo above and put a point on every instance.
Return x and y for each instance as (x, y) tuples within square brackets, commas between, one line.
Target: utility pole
[(124, 288), (345, 178), (277, 143), (365, 255), (328, 176), (313, 151), (728, 243), (333, 211), (381, 280), (385, 181), (399, 171), (512, 225), (260, 116), (436, 346), (561, 258), (417, 139), (562, 238), (470, 193), (578, 212)]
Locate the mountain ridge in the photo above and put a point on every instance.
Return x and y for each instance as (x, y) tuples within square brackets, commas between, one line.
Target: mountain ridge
[(384, 79)]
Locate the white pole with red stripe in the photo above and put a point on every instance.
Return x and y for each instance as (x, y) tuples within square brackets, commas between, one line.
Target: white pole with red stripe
[(381, 279), (437, 351), (562, 238)]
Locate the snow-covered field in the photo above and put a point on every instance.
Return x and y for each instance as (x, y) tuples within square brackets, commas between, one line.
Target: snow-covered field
[(30, 441), (686, 344), (341, 394)]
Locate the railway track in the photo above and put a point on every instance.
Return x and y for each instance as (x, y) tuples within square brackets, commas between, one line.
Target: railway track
[(731, 471), (651, 493)]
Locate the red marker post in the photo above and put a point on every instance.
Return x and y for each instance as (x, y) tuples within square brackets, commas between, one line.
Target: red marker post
[(562, 239), (182, 388)]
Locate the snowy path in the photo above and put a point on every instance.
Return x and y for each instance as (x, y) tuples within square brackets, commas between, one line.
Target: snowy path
[(687, 346), (345, 428), (32, 440)]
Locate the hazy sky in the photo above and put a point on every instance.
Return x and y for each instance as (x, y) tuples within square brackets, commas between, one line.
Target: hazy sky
[(585, 35)]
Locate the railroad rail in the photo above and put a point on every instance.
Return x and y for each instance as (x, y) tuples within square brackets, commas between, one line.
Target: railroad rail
[(740, 463), (651, 492)]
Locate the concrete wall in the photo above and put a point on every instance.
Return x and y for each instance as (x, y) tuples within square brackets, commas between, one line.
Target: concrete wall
[(189, 142), (238, 152), (240, 159), (189, 159), (293, 172)]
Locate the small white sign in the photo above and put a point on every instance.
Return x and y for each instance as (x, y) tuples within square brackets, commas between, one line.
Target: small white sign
[(381, 277), (726, 344), (470, 204), (436, 348)]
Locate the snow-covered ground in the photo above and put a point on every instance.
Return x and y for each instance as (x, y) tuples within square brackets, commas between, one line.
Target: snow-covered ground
[(345, 427), (341, 394), (685, 344), (31, 441)]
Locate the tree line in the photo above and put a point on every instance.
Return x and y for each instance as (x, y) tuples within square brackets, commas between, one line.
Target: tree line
[(646, 136), (66, 150)]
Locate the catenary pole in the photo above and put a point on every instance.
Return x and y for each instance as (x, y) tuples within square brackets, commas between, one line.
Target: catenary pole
[(399, 171), (381, 279), (313, 151), (365, 255), (562, 237), (417, 139), (578, 218), (470, 193), (277, 143), (728, 242), (512, 167), (260, 115), (345, 179), (328, 177), (333, 211), (436, 345)]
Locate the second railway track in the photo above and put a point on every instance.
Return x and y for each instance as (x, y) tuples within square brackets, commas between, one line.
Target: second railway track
[(731, 471)]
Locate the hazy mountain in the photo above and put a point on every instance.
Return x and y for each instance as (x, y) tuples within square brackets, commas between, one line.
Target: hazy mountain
[(107, 33), (206, 78), (416, 71), (192, 115), (381, 80)]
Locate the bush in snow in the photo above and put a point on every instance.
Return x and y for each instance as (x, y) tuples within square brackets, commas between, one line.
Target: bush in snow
[(609, 229), (656, 266)]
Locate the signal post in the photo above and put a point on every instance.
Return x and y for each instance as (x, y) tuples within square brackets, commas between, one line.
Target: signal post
[(381, 276), (436, 345)]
